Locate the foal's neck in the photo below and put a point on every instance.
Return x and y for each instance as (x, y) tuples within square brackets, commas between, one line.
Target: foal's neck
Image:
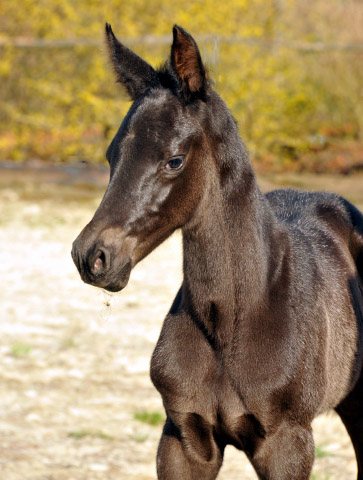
[(227, 245)]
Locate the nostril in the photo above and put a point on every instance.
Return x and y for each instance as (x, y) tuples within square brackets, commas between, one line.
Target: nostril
[(98, 265), (99, 262)]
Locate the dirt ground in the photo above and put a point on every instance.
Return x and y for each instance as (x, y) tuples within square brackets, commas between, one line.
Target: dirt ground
[(76, 401)]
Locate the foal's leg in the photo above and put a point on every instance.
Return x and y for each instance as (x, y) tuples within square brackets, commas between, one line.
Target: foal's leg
[(351, 413), (287, 454), (193, 455)]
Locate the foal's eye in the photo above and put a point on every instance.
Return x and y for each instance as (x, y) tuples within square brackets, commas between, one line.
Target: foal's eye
[(175, 164)]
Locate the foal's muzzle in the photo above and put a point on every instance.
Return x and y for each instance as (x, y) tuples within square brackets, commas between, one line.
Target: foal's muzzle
[(103, 260)]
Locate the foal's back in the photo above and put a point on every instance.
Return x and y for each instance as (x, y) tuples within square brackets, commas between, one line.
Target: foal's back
[(322, 218)]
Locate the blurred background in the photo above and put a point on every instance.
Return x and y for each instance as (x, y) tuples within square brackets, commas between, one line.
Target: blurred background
[(290, 71), (76, 401)]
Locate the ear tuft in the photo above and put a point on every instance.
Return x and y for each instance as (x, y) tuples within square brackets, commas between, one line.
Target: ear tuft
[(108, 29), (187, 63), (136, 75)]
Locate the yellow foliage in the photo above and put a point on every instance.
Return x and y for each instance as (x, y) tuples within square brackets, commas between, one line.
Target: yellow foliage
[(62, 104)]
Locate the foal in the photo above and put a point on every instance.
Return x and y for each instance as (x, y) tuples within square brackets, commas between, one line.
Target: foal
[(266, 330)]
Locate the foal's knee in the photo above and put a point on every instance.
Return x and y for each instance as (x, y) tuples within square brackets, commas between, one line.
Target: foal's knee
[(287, 454), (188, 451)]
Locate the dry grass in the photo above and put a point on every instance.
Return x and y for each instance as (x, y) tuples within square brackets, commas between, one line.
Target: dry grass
[(76, 401)]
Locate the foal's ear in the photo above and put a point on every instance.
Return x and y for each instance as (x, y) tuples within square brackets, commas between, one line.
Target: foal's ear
[(132, 72), (186, 63)]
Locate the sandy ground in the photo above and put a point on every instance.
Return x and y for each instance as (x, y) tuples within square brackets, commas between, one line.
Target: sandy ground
[(74, 360)]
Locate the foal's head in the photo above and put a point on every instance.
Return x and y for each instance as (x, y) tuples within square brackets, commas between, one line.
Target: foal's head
[(159, 160)]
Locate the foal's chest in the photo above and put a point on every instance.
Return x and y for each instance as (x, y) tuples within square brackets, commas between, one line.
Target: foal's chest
[(194, 380), (191, 376)]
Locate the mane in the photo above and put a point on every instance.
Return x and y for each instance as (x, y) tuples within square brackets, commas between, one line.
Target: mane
[(167, 78), (170, 81)]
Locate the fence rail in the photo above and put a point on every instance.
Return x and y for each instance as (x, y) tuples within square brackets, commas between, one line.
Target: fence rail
[(20, 42)]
